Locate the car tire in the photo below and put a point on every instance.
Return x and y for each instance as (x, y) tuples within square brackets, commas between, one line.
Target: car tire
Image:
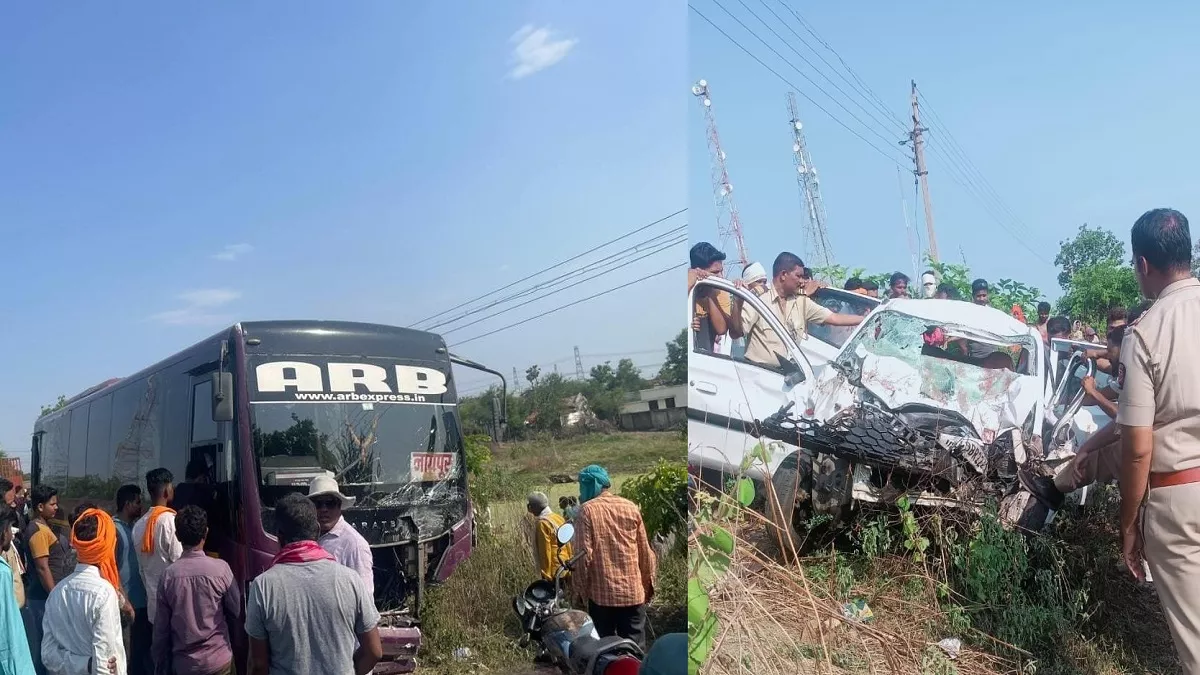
[(789, 502)]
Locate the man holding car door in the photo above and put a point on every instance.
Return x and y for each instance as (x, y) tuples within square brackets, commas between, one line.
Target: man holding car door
[(793, 308)]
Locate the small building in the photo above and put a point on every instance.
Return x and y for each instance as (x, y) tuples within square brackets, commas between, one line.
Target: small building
[(655, 409)]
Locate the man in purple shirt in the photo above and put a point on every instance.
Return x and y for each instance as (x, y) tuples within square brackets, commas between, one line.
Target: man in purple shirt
[(198, 596), (338, 537)]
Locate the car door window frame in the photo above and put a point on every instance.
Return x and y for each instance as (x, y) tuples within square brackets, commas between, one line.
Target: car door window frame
[(844, 298), (805, 370)]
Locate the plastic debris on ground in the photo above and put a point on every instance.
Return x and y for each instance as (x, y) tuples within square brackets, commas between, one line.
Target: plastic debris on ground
[(858, 611), (951, 646)]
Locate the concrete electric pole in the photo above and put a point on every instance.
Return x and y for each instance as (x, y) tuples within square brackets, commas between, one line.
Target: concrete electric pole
[(918, 144)]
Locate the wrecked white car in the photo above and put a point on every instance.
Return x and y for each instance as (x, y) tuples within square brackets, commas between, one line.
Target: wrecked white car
[(938, 400)]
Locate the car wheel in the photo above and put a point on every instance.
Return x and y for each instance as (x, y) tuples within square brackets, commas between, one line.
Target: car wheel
[(789, 502)]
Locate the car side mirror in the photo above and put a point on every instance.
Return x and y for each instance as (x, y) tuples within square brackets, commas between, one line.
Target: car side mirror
[(792, 373), (566, 532), (222, 403)]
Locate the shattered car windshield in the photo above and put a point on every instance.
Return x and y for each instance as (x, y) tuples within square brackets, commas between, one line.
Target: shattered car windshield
[(952, 361)]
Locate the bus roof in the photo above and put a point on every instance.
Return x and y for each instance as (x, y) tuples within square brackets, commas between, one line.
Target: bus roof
[(296, 337)]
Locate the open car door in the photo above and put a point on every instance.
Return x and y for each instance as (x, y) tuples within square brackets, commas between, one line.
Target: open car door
[(727, 393)]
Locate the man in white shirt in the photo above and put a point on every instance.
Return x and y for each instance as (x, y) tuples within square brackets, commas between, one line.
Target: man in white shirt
[(82, 625), (338, 537), (154, 536)]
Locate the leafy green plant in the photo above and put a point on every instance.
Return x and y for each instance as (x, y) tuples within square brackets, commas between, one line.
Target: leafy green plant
[(915, 541), (712, 555), (478, 449), (662, 496)]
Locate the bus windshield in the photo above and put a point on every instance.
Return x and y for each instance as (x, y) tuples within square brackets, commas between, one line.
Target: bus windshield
[(374, 447)]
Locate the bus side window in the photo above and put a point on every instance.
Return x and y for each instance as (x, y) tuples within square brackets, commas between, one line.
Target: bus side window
[(203, 426)]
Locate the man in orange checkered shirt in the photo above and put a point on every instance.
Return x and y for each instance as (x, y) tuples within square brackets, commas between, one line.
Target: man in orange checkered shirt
[(616, 576)]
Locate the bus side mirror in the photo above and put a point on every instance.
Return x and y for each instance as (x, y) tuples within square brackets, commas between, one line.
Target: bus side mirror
[(222, 403)]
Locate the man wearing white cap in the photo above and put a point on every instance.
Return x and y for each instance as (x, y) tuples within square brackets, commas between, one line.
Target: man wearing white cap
[(755, 277), (341, 540)]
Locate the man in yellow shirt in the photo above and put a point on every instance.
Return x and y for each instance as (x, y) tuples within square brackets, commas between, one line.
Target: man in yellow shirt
[(547, 554)]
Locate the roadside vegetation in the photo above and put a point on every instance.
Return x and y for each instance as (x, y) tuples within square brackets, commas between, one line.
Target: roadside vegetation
[(468, 622), (906, 590)]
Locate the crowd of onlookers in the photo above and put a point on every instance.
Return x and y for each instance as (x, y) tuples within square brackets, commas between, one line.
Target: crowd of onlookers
[(138, 590)]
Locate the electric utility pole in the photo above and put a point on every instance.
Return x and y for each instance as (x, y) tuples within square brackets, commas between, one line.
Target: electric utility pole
[(922, 174)]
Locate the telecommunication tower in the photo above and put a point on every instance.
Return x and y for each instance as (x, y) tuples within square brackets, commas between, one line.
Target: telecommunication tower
[(816, 236), (728, 222), (578, 364)]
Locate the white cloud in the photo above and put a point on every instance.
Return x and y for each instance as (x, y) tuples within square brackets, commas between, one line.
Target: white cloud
[(198, 306), (537, 49), (210, 297), (232, 252)]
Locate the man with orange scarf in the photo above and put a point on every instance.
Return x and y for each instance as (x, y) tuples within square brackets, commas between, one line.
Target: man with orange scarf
[(154, 536), (83, 615)]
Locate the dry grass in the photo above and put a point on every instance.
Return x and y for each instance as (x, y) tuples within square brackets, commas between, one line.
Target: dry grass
[(787, 617), (473, 608), (780, 618), (620, 453)]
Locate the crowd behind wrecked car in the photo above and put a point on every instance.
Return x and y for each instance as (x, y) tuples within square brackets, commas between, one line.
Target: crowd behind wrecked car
[(718, 318), (1152, 444)]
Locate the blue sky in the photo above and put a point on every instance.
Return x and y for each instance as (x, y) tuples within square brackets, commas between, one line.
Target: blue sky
[(1074, 113), (168, 170)]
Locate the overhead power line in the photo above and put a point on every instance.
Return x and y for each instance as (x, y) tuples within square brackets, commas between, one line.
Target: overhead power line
[(667, 245), (956, 153), (959, 167), (865, 88), (489, 294), (669, 238), (886, 140), (869, 113), (572, 304), (887, 154)]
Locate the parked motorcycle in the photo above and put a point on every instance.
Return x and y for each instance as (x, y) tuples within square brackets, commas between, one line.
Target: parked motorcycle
[(567, 638)]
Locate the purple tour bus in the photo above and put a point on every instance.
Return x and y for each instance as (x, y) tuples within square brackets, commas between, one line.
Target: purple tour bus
[(271, 405)]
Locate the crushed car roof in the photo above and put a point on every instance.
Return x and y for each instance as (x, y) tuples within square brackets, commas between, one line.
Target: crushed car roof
[(977, 317)]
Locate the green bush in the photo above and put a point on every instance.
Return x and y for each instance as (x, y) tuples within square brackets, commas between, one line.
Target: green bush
[(478, 449), (662, 496)]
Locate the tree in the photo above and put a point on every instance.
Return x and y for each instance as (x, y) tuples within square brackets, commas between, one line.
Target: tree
[(1094, 276), (532, 373), (1093, 290), (1090, 247), (603, 376), (675, 369), (57, 405), (547, 398), (1196, 260), (628, 377)]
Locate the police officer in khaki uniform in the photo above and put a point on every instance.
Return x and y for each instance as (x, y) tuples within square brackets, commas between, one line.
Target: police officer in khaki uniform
[(1159, 416), (789, 302)]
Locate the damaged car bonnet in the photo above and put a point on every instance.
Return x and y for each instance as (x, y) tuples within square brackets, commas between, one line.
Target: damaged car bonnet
[(927, 396)]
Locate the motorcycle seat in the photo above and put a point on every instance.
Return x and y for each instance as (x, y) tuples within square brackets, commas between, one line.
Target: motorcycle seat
[(586, 649)]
